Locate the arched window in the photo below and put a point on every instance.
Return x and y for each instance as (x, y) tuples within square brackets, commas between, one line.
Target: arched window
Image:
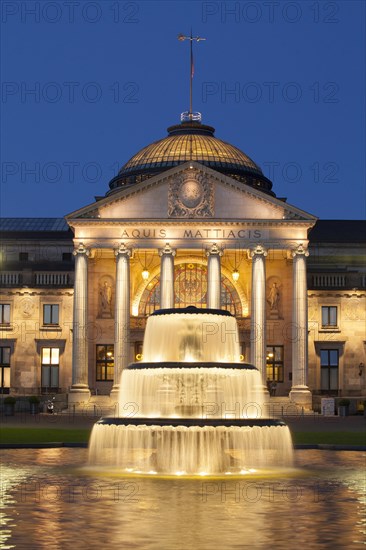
[(190, 289)]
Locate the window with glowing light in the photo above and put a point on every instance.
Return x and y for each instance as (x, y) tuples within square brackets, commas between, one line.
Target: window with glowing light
[(190, 289), (105, 363), (50, 364), (275, 363), (4, 369)]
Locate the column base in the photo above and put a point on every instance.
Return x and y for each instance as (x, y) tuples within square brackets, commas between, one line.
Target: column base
[(301, 396), (79, 393)]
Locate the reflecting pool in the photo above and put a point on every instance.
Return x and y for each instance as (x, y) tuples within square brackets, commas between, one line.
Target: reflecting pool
[(50, 500)]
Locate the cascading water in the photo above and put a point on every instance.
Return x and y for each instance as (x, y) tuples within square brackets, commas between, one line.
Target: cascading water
[(191, 407)]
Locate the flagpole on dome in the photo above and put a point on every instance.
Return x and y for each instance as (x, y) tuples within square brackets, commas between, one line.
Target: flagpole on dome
[(190, 115)]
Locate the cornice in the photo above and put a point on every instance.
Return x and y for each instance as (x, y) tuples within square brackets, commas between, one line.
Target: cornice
[(92, 222)]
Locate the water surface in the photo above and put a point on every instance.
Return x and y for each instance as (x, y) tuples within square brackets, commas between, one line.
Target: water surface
[(51, 501)]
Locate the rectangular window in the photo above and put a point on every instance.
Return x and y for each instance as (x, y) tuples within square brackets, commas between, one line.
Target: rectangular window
[(4, 314), (66, 256), (50, 314), (50, 363), (23, 256), (329, 316), (275, 363), (105, 363), (4, 369), (329, 363)]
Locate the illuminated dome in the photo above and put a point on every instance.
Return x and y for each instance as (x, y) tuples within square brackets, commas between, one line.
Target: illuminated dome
[(191, 141)]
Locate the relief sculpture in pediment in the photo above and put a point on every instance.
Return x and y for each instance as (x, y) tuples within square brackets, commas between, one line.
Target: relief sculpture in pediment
[(190, 196)]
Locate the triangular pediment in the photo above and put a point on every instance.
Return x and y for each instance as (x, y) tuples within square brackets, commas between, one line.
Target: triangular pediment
[(189, 191)]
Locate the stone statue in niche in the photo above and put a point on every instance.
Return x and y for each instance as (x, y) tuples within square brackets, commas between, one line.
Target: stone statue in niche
[(273, 299), (105, 300)]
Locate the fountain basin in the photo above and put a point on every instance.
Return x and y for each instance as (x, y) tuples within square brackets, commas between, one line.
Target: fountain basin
[(189, 422), (190, 446)]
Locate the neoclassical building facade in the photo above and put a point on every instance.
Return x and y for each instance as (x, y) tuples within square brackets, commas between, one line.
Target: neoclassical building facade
[(189, 220)]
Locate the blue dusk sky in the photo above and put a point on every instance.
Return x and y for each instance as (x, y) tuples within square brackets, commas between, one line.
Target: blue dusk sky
[(87, 84)]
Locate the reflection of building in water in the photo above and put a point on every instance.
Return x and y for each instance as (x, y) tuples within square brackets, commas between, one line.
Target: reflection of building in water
[(76, 317)]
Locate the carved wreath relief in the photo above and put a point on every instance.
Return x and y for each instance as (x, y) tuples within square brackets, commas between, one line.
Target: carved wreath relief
[(190, 196)]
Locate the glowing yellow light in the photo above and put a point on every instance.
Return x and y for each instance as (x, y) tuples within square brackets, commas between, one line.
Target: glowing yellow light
[(145, 274), (235, 275), (139, 357), (241, 357)]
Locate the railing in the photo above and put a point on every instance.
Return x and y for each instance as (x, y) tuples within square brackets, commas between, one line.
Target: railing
[(329, 280), (52, 279), (10, 278)]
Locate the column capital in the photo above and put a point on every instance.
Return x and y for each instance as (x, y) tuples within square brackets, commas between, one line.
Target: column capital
[(214, 250), (300, 250), (168, 250), (122, 250), (81, 249), (258, 250)]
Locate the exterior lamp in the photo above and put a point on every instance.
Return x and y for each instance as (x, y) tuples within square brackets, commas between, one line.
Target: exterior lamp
[(235, 275), (145, 274)]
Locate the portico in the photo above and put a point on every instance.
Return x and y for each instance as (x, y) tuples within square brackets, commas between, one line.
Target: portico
[(147, 219)]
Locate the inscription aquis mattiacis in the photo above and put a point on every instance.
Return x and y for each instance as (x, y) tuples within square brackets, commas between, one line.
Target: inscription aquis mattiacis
[(201, 233)]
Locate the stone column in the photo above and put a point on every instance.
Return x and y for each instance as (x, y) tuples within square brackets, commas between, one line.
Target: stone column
[(121, 316), (79, 391), (300, 392), (258, 311), (214, 277), (167, 277)]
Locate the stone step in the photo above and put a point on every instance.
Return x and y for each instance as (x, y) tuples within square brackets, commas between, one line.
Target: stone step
[(284, 409)]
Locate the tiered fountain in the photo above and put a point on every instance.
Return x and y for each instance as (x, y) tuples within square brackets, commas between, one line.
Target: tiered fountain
[(191, 407)]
